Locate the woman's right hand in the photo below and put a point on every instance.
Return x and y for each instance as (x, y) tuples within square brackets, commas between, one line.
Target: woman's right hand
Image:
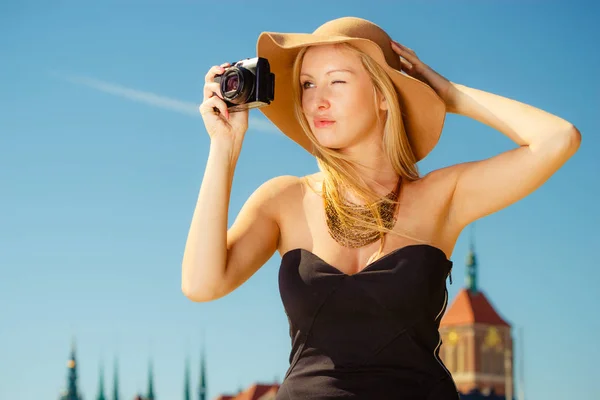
[(221, 124)]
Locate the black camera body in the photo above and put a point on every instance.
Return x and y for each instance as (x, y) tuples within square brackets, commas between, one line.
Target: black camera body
[(247, 84)]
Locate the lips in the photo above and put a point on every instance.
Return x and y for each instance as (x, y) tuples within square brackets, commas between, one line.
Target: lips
[(323, 123)]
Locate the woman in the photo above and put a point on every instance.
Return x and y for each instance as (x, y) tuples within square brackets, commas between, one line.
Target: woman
[(366, 242)]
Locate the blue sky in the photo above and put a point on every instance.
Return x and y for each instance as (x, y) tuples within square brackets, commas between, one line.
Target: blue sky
[(102, 154)]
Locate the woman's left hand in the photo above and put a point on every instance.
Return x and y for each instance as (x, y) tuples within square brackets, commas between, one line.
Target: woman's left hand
[(414, 67)]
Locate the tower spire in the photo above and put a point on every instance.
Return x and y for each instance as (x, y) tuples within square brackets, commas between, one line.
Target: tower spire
[(116, 381), (101, 395), (202, 384), (471, 264), (186, 385), (150, 395), (72, 393)]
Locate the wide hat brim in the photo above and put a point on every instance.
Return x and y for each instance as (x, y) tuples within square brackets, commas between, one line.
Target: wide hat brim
[(423, 111)]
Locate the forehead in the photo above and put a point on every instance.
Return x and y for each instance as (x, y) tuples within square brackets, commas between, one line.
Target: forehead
[(329, 56)]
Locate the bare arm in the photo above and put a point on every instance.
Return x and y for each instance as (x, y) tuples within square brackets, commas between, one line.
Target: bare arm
[(205, 253), (545, 142), (216, 260), (255, 234)]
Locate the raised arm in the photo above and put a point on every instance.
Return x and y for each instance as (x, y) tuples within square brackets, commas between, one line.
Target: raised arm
[(545, 142), (216, 261)]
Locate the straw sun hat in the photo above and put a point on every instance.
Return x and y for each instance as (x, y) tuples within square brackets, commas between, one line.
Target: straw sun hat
[(423, 111)]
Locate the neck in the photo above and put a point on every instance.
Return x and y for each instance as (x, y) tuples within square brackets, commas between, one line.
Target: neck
[(375, 169), (382, 190)]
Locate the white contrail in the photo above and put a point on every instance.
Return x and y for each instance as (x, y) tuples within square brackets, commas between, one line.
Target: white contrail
[(155, 100)]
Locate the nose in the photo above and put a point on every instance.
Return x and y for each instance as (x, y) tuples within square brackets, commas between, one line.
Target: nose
[(319, 100), (323, 104)]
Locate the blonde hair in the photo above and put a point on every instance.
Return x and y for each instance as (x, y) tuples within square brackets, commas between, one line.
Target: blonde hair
[(339, 169)]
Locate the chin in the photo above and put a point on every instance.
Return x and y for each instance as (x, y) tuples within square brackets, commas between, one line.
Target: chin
[(330, 144), (327, 139)]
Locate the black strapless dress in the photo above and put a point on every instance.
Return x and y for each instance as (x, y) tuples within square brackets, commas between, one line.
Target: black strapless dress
[(371, 335)]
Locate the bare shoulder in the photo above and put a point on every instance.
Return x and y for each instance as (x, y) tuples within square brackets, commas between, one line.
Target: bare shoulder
[(435, 191), (430, 198), (278, 193), (275, 187), (438, 184)]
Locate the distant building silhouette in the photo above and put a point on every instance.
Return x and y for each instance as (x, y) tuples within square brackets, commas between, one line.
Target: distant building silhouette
[(202, 393), (72, 391), (150, 395), (115, 381), (101, 395)]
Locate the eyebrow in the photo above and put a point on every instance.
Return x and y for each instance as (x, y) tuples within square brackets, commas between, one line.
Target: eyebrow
[(330, 72)]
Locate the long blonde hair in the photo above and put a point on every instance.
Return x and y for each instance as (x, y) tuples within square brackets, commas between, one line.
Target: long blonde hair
[(339, 170)]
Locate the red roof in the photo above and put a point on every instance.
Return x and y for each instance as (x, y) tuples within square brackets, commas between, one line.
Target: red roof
[(254, 392), (471, 308)]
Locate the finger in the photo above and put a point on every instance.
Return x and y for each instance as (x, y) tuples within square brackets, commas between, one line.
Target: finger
[(213, 71), (397, 45), (405, 64), (212, 89), (400, 50), (214, 106), (410, 57), (404, 51), (401, 46)]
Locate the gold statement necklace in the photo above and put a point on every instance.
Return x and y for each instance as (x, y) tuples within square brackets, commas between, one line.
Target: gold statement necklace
[(357, 236)]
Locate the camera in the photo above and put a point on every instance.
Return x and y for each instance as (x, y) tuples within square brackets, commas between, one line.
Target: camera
[(248, 83)]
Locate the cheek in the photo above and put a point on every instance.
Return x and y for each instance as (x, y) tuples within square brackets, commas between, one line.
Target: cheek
[(306, 112), (304, 102), (358, 107), (306, 107), (355, 101)]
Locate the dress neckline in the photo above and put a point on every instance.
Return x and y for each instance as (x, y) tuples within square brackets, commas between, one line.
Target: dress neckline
[(370, 265)]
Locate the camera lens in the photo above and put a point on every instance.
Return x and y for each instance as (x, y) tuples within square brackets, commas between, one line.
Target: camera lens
[(237, 85), (232, 83)]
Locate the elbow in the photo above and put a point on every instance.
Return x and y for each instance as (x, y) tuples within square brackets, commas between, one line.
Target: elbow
[(195, 296), (574, 138), (187, 292), (199, 286), (195, 293), (564, 142), (571, 140)]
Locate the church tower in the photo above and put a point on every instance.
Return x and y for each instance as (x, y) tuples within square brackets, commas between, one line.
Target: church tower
[(186, 384), (202, 393), (72, 392), (150, 395), (101, 395), (477, 344), (116, 381)]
